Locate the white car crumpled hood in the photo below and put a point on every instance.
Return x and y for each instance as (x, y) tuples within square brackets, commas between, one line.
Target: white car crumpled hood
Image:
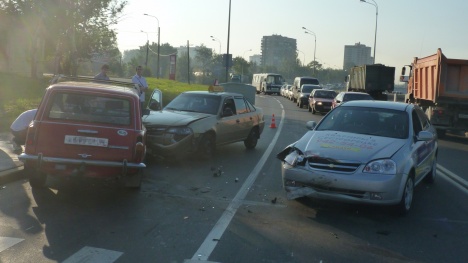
[(348, 146)]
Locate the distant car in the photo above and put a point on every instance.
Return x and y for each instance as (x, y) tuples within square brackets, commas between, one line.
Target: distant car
[(365, 152), (86, 129), (285, 90), (302, 98), (289, 93), (320, 100), (345, 96), (236, 78), (195, 122)]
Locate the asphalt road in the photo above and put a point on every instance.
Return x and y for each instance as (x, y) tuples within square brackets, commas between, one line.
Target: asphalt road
[(232, 209)]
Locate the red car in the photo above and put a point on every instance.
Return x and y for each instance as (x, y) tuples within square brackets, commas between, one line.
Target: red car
[(320, 100), (86, 129)]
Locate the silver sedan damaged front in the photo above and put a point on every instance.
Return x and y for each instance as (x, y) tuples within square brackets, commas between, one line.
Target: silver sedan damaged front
[(295, 175)]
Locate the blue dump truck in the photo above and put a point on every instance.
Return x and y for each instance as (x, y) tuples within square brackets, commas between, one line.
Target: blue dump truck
[(372, 79)]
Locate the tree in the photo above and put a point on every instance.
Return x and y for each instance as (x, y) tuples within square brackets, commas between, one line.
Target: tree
[(183, 71), (71, 29), (204, 59)]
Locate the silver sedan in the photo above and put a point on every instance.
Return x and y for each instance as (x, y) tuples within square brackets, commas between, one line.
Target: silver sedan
[(367, 152)]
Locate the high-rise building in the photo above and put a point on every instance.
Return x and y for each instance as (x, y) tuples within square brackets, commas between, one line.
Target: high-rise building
[(257, 59), (357, 55), (277, 49)]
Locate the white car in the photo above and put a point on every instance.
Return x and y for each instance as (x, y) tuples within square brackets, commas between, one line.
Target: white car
[(368, 152)]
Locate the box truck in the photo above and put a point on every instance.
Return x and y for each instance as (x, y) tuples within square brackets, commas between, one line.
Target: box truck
[(440, 86), (372, 79)]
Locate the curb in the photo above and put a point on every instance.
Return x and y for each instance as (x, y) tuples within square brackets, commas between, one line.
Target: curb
[(10, 175)]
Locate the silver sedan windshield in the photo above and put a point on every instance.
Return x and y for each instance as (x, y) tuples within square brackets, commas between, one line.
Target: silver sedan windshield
[(363, 120)]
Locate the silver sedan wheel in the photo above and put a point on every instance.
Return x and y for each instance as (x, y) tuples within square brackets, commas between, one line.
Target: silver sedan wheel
[(407, 199)]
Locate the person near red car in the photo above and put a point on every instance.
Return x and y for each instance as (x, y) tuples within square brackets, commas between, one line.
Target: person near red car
[(19, 127)]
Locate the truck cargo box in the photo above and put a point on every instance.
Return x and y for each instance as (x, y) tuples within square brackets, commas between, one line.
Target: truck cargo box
[(371, 78), (439, 79)]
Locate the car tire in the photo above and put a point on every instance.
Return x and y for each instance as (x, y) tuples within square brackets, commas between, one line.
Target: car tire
[(404, 206), (430, 177), (207, 146), (134, 181), (37, 179), (252, 139)]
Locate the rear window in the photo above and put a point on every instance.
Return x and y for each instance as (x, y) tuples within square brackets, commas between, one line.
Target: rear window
[(310, 81), (90, 109), (309, 89), (349, 97), (324, 94)]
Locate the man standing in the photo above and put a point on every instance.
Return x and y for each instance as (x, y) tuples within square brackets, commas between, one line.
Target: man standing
[(103, 74), (141, 81)]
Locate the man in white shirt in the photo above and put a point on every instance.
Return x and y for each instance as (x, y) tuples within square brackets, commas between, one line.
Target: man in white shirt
[(141, 81), (19, 128)]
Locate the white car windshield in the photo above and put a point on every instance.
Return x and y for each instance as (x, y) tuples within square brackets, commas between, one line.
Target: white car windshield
[(370, 121)]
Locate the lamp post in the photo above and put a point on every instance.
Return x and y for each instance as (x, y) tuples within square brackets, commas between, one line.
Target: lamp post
[(242, 67), (376, 15), (219, 41), (147, 47), (228, 36), (303, 62), (307, 31), (157, 73)]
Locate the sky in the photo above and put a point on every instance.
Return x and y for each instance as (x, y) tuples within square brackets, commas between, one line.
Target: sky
[(405, 29)]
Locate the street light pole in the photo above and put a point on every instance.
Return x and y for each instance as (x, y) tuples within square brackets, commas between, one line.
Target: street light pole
[(219, 41), (307, 31), (376, 16), (228, 36), (157, 73), (147, 47), (303, 62)]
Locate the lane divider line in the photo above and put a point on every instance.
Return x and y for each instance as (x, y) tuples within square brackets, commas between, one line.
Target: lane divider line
[(216, 233)]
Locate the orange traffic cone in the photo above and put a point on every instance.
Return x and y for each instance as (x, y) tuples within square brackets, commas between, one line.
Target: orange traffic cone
[(273, 124)]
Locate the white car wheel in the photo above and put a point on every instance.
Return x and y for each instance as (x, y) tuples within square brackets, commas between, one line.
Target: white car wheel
[(407, 199)]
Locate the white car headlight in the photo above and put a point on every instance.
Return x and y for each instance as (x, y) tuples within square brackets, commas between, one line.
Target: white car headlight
[(385, 166), (319, 103)]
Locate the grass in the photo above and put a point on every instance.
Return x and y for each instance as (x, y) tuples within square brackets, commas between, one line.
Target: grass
[(18, 94)]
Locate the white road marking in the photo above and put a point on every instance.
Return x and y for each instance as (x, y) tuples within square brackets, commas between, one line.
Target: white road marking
[(94, 255), (452, 178), (7, 242), (210, 242)]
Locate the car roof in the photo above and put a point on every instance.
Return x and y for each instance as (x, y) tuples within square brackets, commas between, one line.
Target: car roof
[(354, 92), (400, 106), (93, 86)]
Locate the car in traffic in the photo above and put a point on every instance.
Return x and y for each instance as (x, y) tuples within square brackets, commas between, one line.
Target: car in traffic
[(285, 90), (364, 152), (297, 84), (196, 122), (320, 100), (302, 97), (86, 129), (345, 96)]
